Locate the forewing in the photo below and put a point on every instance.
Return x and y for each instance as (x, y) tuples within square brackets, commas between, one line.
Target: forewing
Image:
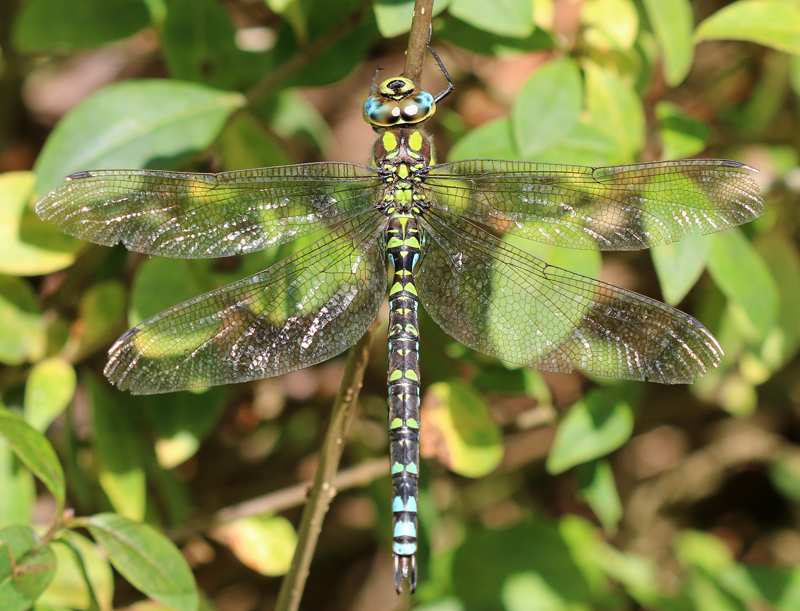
[(200, 216), (628, 207), (508, 304), (301, 311)]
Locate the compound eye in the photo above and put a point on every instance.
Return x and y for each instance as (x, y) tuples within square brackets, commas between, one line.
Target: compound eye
[(381, 113), (418, 108)]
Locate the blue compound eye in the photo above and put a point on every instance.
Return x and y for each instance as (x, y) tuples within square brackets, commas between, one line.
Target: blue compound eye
[(380, 112), (418, 108)]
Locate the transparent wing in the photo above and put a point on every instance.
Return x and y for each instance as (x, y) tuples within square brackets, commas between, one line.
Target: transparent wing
[(628, 207), (199, 216), (508, 304), (306, 309)]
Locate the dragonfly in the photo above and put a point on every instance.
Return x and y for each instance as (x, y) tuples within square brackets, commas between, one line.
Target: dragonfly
[(437, 230)]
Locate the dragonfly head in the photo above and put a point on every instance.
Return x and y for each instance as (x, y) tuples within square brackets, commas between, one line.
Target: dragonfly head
[(398, 102)]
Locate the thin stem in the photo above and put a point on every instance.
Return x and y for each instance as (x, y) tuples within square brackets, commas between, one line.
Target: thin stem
[(323, 491), (418, 40)]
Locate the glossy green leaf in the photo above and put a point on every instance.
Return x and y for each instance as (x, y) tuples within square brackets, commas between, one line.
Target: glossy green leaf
[(199, 46), (29, 247), (244, 143), (48, 391), (394, 16), (22, 329), (33, 449), (119, 456), (597, 487), (477, 40), (492, 140), (181, 421), (147, 559), (744, 278), (532, 557), (346, 46), (774, 23), (504, 17), (783, 259), (615, 109), (584, 145), (548, 106), (610, 24), (19, 489), (102, 317), (470, 440), (265, 544), (595, 426), (672, 22), (681, 134), (162, 283), (680, 264), (135, 124), (65, 26), (26, 567), (69, 587), (779, 587)]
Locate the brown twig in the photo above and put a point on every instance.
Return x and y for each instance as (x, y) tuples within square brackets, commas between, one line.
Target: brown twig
[(323, 491), (418, 40)]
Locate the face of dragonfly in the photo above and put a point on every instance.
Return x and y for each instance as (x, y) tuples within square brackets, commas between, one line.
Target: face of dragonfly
[(397, 102)]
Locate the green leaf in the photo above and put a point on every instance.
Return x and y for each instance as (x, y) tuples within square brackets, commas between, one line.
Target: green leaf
[(531, 557), (101, 317), (245, 144), (480, 41), (548, 106), (394, 16), (681, 134), (33, 449), (76, 559), (29, 247), (672, 22), (181, 421), (48, 391), (492, 140), (783, 259), (598, 488), (19, 489), (584, 145), (779, 587), (594, 427), (65, 26), (615, 109), (199, 46), (265, 544), (26, 567), (22, 329), (147, 559), (470, 442), (680, 264), (610, 24), (135, 124), (773, 23), (120, 466), (744, 278), (504, 17)]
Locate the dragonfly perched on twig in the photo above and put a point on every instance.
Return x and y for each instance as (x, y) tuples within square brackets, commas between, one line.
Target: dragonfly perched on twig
[(437, 225)]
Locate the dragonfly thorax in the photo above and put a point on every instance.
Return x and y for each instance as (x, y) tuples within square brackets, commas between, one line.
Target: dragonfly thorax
[(397, 102), (403, 156)]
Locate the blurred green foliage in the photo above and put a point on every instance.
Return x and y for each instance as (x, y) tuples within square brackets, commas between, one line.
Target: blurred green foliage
[(540, 492)]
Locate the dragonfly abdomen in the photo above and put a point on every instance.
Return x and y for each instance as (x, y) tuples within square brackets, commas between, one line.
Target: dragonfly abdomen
[(403, 249)]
